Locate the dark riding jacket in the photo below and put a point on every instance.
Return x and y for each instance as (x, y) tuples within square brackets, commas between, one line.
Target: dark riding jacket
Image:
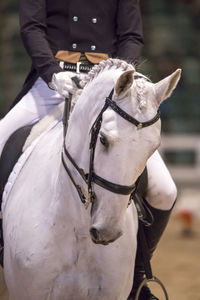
[(113, 27)]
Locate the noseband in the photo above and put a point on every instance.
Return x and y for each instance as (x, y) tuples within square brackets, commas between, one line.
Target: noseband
[(92, 177)]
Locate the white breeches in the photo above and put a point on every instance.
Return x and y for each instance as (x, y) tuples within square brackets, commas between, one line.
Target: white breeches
[(161, 189), (40, 100)]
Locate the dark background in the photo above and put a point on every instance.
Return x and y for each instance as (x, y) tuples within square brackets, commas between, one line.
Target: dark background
[(172, 40)]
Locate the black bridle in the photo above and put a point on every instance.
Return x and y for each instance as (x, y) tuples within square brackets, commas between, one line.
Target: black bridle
[(91, 177)]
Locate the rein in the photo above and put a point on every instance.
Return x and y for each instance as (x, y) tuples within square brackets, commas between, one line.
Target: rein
[(91, 177)]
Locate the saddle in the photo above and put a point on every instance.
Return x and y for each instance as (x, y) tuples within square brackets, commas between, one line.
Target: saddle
[(9, 157)]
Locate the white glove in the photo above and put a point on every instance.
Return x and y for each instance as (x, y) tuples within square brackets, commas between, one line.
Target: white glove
[(63, 84)]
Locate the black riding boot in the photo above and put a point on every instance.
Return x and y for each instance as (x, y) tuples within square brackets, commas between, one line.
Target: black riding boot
[(153, 234)]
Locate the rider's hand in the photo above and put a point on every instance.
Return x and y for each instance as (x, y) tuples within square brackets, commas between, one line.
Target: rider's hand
[(63, 84)]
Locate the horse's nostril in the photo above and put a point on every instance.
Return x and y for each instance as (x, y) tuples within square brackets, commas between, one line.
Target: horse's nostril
[(95, 234)]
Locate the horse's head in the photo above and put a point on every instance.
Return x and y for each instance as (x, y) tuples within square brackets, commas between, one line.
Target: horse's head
[(123, 142)]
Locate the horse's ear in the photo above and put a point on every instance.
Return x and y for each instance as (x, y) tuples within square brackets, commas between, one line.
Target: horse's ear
[(124, 83), (165, 87)]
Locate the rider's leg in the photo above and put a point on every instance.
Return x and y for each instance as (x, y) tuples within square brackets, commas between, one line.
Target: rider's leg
[(161, 189), (160, 198), (31, 108)]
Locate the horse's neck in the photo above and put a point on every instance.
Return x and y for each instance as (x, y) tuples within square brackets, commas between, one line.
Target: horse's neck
[(84, 114)]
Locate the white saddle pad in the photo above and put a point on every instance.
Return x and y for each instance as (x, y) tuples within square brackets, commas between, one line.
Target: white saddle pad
[(20, 163)]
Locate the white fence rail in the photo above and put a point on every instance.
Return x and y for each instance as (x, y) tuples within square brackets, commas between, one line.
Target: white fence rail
[(183, 173)]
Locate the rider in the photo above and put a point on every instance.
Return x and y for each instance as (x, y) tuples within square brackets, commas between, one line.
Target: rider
[(59, 34)]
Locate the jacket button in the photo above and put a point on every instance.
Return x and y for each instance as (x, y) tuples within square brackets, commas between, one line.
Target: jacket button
[(74, 46), (75, 18), (93, 47), (94, 20)]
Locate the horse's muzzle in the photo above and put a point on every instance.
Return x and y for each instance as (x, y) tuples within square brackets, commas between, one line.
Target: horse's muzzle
[(100, 237)]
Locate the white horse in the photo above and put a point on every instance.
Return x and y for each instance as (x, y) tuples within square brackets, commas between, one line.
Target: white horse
[(55, 249)]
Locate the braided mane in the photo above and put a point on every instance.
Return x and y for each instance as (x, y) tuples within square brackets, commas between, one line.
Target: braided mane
[(118, 64), (109, 63)]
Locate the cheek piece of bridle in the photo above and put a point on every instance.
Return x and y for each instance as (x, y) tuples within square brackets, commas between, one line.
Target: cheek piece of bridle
[(91, 177)]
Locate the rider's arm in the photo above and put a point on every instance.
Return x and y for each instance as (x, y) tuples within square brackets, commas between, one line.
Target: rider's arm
[(33, 32), (129, 30)]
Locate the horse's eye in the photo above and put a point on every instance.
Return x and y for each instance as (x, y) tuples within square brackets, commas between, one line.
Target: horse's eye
[(104, 141)]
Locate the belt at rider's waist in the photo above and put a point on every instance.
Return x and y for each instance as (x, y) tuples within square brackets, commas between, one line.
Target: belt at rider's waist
[(79, 62), (78, 67)]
